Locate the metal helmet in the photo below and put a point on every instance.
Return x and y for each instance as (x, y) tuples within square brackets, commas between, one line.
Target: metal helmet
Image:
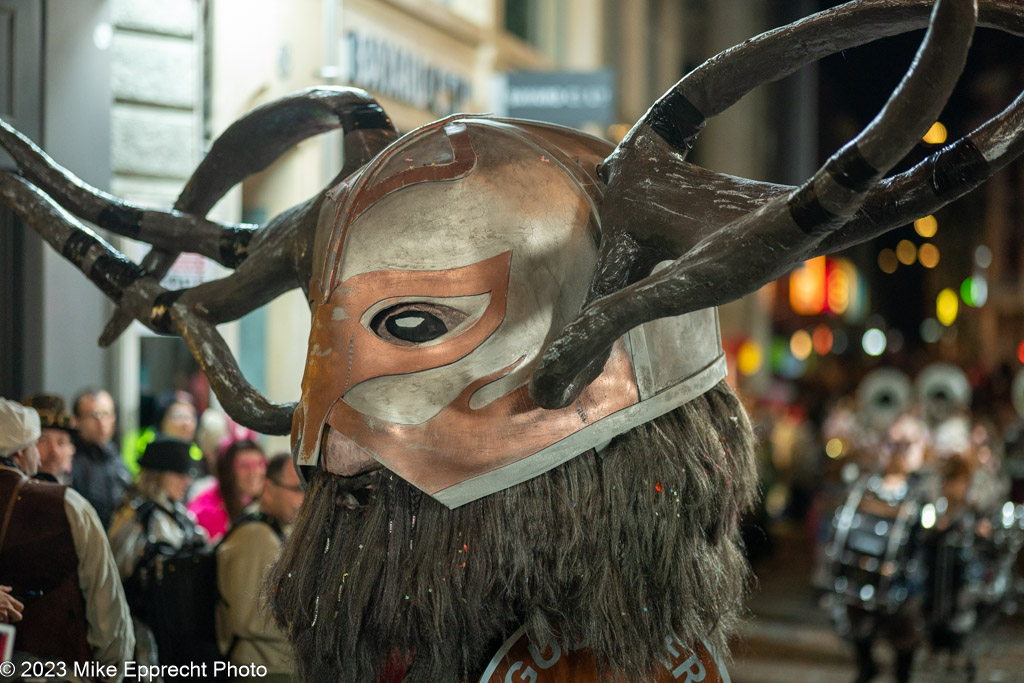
[(444, 267)]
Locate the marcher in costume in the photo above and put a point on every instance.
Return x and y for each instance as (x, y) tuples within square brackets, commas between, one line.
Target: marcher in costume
[(512, 413)]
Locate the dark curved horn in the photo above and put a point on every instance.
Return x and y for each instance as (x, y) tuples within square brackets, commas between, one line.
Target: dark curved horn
[(160, 310), (252, 143), (639, 222), (680, 114), (169, 230), (943, 177), (741, 256), (256, 140), (270, 260)]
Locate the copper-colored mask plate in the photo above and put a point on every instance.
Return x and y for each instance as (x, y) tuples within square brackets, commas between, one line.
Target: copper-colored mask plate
[(499, 225)]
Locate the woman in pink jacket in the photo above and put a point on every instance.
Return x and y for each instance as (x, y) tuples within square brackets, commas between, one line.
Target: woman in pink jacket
[(241, 471)]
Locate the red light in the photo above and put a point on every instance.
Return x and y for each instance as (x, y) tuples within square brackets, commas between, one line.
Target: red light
[(1020, 352), (822, 339)]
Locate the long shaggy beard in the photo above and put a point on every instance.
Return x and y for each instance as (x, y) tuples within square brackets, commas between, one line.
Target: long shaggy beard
[(615, 549)]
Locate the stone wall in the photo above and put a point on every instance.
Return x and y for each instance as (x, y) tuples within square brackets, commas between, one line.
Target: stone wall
[(156, 117)]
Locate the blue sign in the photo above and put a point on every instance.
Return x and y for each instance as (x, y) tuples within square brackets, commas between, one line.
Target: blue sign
[(569, 98)]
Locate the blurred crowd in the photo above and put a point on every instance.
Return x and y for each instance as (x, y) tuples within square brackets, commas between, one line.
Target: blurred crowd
[(911, 490), (154, 553)]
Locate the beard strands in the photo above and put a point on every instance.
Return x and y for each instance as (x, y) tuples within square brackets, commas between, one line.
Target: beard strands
[(417, 496), (321, 635)]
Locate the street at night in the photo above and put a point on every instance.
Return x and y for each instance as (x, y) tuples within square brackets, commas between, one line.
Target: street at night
[(484, 341), (789, 638)]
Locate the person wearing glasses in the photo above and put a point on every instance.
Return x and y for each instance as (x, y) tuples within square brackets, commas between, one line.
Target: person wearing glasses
[(97, 470), (245, 632), (241, 471)]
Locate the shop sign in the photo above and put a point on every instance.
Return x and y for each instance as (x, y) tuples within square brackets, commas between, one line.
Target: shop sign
[(190, 270), (568, 98), (399, 73)]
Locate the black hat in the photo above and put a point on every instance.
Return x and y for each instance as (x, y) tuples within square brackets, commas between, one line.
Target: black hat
[(52, 414), (168, 455)]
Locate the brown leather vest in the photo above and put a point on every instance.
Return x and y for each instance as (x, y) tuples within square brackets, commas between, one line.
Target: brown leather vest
[(39, 562)]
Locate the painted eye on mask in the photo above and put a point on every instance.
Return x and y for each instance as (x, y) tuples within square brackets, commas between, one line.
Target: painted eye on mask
[(413, 323)]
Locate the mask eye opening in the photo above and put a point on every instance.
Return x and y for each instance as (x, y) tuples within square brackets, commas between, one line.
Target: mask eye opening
[(415, 323)]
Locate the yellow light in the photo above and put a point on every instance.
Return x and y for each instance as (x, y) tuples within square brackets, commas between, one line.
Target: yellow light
[(834, 448), (928, 255), (617, 131), (906, 252), (749, 357), (946, 307), (777, 497), (926, 227), (800, 344), (822, 339), (807, 287), (887, 261), (936, 135), (849, 297), (838, 290)]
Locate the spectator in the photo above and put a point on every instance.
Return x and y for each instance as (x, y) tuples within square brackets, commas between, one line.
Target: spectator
[(241, 470), (153, 521), (55, 558), (175, 419), (97, 471), (245, 632), (211, 432), (179, 420), (56, 447)]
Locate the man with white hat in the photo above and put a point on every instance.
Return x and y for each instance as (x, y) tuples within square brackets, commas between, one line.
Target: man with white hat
[(19, 431), (55, 558)]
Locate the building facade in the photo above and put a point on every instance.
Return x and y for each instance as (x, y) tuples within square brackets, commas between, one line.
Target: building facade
[(134, 91)]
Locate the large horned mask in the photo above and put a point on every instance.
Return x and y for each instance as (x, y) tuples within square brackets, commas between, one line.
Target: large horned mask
[(441, 271), (491, 297)]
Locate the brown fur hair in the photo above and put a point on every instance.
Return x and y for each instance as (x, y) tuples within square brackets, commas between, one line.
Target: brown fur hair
[(615, 549)]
